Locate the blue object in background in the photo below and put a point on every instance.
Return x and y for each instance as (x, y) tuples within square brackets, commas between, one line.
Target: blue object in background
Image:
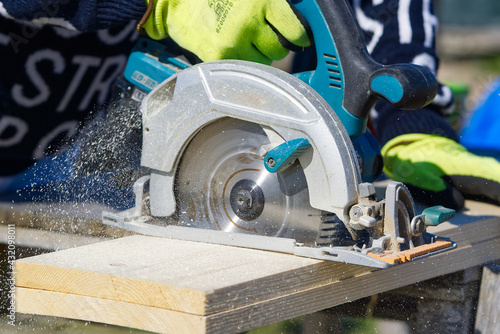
[(52, 180), (481, 133)]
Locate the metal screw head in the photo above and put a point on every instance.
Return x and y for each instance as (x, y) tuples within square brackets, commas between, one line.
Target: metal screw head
[(356, 213), (244, 199), (271, 162), (417, 225)]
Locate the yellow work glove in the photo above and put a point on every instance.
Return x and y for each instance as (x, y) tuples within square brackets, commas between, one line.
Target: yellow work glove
[(440, 171), (255, 30)]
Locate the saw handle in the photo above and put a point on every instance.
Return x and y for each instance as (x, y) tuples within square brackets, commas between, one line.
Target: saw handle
[(349, 79)]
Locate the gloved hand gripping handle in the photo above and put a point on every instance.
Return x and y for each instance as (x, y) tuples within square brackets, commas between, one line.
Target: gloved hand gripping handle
[(346, 75)]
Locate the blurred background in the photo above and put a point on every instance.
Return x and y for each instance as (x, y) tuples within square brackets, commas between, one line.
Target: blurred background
[(469, 46)]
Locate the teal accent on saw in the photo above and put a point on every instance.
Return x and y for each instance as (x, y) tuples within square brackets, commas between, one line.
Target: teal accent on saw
[(389, 87)]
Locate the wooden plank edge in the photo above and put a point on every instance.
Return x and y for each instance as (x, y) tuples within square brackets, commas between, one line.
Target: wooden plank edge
[(474, 232), (109, 287), (112, 312), (323, 273), (337, 293), (262, 313), (488, 310)]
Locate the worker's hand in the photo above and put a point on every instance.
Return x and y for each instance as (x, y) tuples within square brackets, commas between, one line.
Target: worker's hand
[(256, 30), (439, 171)]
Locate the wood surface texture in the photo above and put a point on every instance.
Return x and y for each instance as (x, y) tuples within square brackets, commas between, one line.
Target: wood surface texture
[(174, 286)]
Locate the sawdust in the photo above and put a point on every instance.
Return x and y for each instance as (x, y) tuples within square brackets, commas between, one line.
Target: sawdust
[(112, 142), (100, 164)]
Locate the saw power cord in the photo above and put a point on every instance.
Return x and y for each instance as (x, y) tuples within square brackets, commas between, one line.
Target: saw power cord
[(145, 17)]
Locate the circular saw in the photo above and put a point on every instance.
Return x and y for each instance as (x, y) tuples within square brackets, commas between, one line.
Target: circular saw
[(247, 155)]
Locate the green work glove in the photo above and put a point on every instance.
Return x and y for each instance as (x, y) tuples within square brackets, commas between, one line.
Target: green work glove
[(439, 171), (255, 30)]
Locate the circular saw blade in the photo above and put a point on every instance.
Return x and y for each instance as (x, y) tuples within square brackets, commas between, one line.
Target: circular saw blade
[(222, 184)]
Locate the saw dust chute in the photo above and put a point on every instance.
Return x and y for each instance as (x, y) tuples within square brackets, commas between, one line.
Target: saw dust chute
[(247, 155)]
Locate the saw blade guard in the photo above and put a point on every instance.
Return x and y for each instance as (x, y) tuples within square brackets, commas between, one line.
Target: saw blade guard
[(285, 108)]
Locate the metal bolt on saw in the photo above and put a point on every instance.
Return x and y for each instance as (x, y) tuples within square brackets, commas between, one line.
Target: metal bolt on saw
[(244, 154)]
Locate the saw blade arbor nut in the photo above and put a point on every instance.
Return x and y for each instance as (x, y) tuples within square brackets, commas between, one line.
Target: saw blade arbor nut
[(247, 200)]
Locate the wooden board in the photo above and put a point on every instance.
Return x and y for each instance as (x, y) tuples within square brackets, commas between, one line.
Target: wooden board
[(174, 286), (488, 312)]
